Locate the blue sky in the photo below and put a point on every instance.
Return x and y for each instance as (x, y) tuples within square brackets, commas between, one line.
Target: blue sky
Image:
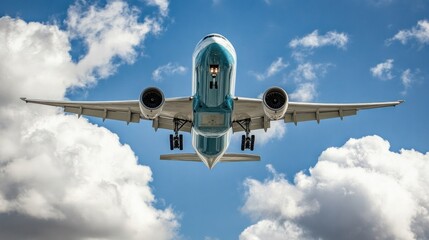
[(321, 51)]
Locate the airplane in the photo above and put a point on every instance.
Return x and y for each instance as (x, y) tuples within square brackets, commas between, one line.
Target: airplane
[(212, 113)]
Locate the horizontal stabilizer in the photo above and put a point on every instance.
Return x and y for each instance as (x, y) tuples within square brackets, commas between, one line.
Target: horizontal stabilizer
[(228, 157)]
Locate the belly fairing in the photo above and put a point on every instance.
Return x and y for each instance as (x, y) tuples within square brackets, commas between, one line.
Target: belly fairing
[(211, 149)]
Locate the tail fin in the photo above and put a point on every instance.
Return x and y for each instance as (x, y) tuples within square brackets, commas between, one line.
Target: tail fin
[(228, 157)]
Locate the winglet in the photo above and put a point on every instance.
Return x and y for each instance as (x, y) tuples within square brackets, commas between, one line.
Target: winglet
[(399, 102), (24, 99)]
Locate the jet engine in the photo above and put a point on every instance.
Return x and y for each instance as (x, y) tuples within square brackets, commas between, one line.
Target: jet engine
[(275, 102), (151, 102)]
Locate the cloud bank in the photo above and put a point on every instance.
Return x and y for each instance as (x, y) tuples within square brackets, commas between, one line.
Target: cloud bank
[(62, 177), (361, 190)]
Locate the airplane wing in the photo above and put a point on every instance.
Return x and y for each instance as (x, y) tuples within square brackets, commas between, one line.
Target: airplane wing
[(128, 111), (245, 108)]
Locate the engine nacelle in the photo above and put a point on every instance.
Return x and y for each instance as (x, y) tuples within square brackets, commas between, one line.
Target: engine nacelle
[(151, 102), (275, 102)]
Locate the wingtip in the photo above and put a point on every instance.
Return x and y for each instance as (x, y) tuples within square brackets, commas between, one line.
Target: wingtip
[(401, 101), (24, 99)]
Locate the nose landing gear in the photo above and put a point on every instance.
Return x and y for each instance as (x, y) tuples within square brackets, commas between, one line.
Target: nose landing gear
[(246, 141)]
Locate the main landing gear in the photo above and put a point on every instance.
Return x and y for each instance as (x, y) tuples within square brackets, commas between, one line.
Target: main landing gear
[(246, 141), (176, 140)]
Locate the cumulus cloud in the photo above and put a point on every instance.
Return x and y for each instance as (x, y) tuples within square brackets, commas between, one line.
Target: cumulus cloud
[(361, 190), (277, 131), (168, 69), (420, 33), (275, 67), (305, 76), (62, 177), (111, 34), (314, 40), (304, 92), (383, 70), (309, 71)]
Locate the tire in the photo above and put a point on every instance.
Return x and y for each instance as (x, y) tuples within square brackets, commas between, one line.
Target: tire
[(171, 142), (247, 143), (181, 142), (211, 84), (252, 143), (242, 142)]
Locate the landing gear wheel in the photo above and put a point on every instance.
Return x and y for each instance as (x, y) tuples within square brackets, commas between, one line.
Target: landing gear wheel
[(176, 139), (211, 84), (171, 142), (252, 142), (247, 141), (215, 84)]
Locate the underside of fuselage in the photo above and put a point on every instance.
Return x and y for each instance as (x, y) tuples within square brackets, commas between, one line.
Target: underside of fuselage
[(214, 63)]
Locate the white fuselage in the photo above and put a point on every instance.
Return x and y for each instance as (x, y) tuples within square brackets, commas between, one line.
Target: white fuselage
[(213, 87)]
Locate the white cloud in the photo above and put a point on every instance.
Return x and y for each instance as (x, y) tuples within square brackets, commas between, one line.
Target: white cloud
[(314, 40), (361, 190), (407, 79), (309, 71), (62, 177), (275, 67), (168, 69), (420, 33), (304, 92), (383, 70), (268, 229), (162, 4), (305, 76), (111, 34), (277, 131)]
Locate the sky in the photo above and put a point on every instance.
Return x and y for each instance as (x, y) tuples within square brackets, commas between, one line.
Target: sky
[(364, 177)]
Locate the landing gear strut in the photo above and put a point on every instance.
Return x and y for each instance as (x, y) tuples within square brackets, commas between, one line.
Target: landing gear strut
[(176, 140), (246, 141)]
